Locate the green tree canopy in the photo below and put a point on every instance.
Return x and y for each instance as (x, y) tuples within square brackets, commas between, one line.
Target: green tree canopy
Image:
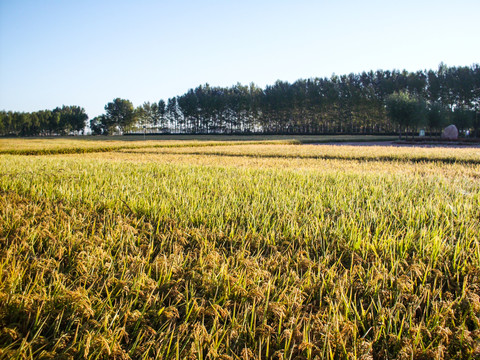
[(152, 114), (404, 110), (436, 116), (463, 118), (120, 113)]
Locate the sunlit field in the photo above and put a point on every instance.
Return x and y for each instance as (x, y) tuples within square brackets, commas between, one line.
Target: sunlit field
[(197, 249), (86, 144)]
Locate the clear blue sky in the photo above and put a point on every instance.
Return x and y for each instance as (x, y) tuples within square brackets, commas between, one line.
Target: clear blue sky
[(86, 53)]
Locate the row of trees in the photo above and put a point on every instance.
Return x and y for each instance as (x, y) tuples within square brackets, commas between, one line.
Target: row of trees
[(59, 121), (354, 103), (409, 112)]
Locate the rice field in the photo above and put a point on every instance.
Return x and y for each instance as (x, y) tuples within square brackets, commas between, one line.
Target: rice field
[(178, 249), (89, 144)]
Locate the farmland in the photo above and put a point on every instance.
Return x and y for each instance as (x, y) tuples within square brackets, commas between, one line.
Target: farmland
[(260, 249)]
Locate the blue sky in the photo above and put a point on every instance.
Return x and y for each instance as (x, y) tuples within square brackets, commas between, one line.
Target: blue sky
[(87, 53)]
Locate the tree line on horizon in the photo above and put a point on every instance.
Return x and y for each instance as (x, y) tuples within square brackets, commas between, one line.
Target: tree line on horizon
[(59, 121), (377, 102)]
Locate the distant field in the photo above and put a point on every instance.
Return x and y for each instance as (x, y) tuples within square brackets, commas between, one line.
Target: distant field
[(241, 250), (84, 144), (274, 150)]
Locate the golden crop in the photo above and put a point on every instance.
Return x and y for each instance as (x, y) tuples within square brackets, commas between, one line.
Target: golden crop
[(239, 251)]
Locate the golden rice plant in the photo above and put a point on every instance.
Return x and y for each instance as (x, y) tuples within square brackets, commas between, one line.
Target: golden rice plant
[(135, 256)]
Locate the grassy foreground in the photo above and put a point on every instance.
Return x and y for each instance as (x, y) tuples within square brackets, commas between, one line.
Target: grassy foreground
[(245, 251)]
